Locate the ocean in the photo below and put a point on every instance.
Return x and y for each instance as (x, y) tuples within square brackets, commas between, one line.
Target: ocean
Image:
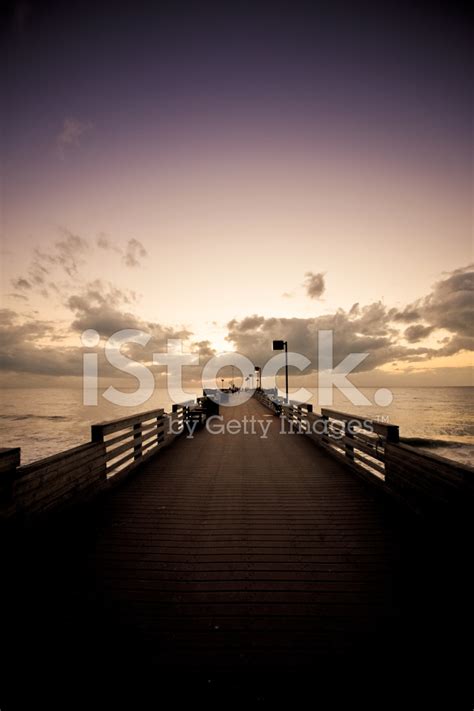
[(43, 421)]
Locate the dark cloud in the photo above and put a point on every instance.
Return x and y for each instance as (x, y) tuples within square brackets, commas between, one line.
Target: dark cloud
[(105, 308), (29, 345), (408, 315), (99, 305), (417, 332), (449, 307), (314, 284), (451, 304), (367, 333), (21, 352)]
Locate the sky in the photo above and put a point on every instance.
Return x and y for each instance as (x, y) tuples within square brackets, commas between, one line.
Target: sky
[(232, 174)]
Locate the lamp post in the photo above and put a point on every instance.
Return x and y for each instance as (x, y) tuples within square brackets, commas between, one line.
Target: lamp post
[(258, 375), (280, 346)]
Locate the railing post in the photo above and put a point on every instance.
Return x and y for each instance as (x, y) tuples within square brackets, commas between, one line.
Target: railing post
[(160, 434), (9, 461), (348, 446), (97, 433), (325, 432), (137, 440)]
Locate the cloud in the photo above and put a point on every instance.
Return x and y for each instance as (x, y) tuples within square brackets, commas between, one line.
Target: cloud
[(314, 284), (21, 352), (451, 303), (449, 307), (417, 332), (371, 329), (105, 243), (133, 253), (204, 348), (369, 332), (21, 283), (106, 309), (408, 315), (31, 345), (99, 306), (67, 255), (71, 134)]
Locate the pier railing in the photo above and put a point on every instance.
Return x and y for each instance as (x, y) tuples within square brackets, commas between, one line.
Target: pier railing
[(116, 448), (426, 482), (360, 442)]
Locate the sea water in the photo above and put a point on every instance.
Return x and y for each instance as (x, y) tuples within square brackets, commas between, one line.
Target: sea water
[(43, 421)]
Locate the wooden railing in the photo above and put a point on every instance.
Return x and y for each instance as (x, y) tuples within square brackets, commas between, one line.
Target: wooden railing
[(131, 440), (361, 442), (116, 448), (427, 483)]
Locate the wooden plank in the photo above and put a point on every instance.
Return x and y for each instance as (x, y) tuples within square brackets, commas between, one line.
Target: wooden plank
[(25, 497), (445, 466), (48, 479), (60, 464), (75, 453), (128, 434), (101, 429), (360, 456), (143, 440), (389, 432)]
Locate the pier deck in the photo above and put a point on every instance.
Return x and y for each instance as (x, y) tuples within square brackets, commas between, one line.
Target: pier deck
[(237, 557)]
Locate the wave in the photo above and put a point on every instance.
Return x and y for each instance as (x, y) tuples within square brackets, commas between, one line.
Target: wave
[(55, 418), (428, 442), (462, 452)]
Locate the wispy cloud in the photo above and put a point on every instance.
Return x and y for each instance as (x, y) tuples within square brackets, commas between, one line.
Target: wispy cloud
[(104, 242), (133, 253), (71, 134), (67, 257)]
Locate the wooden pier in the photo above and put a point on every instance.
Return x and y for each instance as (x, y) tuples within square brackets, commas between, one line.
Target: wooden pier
[(235, 565)]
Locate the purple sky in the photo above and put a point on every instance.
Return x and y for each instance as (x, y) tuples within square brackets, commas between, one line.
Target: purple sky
[(286, 139)]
